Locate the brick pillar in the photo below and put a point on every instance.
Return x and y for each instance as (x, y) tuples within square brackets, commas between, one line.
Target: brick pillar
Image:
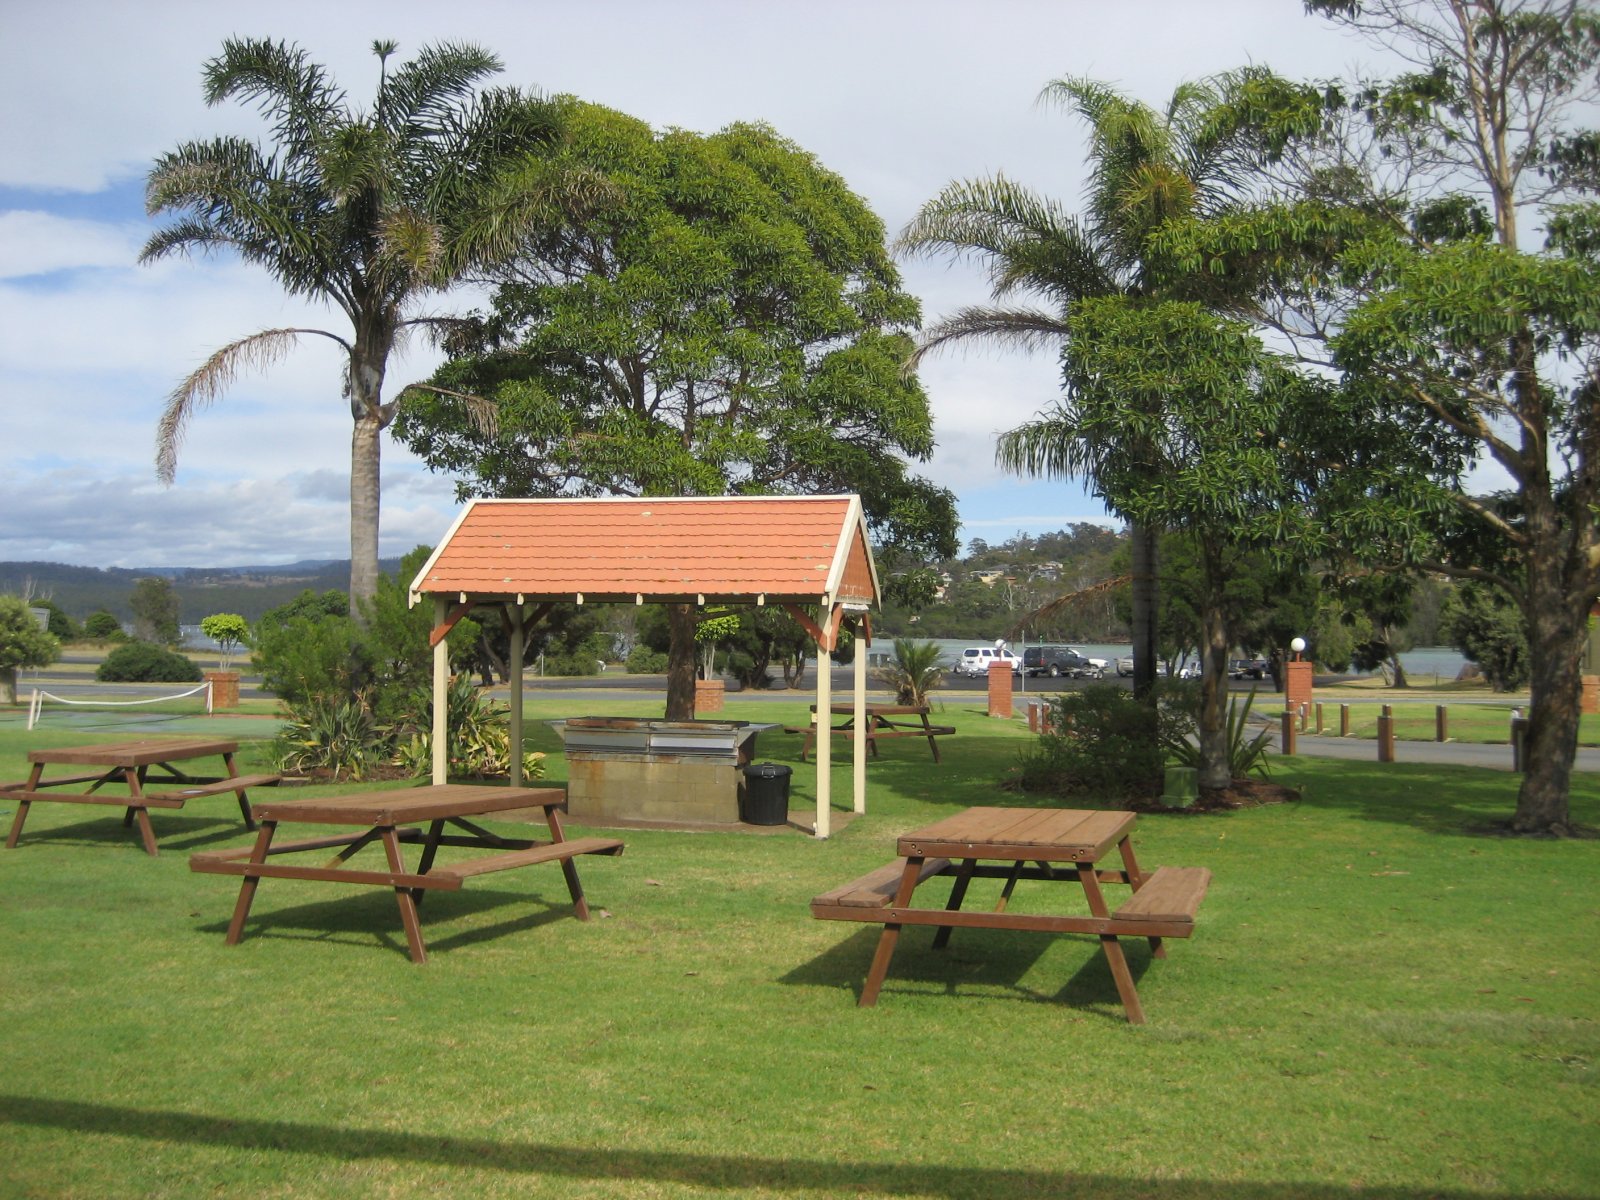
[(708, 694), (1591, 694), (224, 688), (1000, 688), (1297, 687)]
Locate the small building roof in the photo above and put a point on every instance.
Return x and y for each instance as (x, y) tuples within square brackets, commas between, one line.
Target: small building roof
[(750, 549)]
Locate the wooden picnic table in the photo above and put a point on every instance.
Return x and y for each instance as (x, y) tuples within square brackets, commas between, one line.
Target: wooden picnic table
[(883, 721), (384, 817), (1057, 845), (130, 764)]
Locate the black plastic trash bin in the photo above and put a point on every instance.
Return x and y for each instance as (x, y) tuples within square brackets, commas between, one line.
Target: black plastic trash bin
[(765, 800)]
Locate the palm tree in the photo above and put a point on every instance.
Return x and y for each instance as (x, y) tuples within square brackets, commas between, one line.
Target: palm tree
[(915, 671), (1146, 167), (364, 210)]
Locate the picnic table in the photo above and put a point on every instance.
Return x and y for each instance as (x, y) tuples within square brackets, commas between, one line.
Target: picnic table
[(383, 817), (883, 721), (1055, 845), (129, 764)]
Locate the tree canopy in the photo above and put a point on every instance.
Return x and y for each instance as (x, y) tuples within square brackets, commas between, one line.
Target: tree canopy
[(729, 322)]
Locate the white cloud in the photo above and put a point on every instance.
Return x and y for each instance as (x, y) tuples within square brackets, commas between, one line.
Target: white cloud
[(38, 243)]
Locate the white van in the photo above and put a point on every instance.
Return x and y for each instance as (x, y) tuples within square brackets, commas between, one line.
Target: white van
[(975, 660)]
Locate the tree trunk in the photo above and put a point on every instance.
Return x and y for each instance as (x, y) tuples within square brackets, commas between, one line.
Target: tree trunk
[(8, 683), (1142, 546), (1557, 620), (1216, 766), (364, 465), (680, 662)]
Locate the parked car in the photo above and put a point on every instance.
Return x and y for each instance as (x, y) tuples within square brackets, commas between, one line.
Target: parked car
[(975, 660), (1125, 665), (1248, 668), (1056, 661)]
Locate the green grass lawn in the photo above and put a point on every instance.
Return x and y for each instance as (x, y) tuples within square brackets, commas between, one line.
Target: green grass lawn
[(1383, 999)]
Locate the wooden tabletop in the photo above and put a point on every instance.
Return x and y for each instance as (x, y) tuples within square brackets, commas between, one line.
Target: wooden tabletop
[(140, 753), (396, 806), (1021, 834)]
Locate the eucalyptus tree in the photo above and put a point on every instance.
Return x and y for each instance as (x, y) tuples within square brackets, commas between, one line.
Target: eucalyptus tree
[(364, 210), (1145, 167), (1402, 264), (731, 323)]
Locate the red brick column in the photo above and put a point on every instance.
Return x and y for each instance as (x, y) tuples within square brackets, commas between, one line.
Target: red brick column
[(1297, 687), (1591, 694), (1000, 689), (224, 688), (708, 695)]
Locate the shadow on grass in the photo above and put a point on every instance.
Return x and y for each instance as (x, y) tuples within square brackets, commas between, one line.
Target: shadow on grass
[(602, 1163), (105, 828), (371, 920), (991, 963), (1434, 798)]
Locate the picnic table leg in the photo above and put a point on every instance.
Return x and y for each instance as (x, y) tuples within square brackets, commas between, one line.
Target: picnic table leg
[(1123, 977), (430, 848), (1112, 948), (247, 886), (569, 869), (890, 936), (138, 811), (933, 742), (22, 807), (958, 893), (244, 801), (402, 897), (1011, 883)]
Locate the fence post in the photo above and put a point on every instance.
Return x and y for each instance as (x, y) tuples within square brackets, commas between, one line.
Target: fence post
[(1304, 715), (1441, 724), (1319, 717), (1344, 720), (1386, 737), (1286, 743)]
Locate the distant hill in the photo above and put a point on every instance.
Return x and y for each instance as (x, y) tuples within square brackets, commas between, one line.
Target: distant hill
[(248, 591)]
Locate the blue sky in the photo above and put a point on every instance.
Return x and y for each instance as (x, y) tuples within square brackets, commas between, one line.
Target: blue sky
[(899, 98)]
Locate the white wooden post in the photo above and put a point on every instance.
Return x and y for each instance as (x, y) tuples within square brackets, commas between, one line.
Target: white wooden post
[(441, 692), (514, 618), (824, 719), (860, 747)]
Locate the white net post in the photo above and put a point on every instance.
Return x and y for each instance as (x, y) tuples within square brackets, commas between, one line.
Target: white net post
[(33, 709)]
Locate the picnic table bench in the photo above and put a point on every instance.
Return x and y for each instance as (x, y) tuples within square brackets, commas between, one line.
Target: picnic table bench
[(384, 817), (130, 764), (1057, 845), (882, 722)]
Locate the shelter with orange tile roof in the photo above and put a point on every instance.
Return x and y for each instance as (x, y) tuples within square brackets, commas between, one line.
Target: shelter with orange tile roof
[(809, 555)]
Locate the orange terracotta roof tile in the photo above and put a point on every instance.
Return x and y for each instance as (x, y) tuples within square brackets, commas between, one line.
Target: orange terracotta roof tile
[(724, 547)]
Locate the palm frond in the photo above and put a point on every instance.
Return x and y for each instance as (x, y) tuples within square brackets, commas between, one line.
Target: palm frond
[(292, 92), (1023, 329), (207, 383), (1066, 604), (427, 91)]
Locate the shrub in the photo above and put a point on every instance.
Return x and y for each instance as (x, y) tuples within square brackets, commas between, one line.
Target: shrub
[(103, 626), (1246, 754), (142, 662), (645, 661), (1101, 741), (334, 734), (479, 732)]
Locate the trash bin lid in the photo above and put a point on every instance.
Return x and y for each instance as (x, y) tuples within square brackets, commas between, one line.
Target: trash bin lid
[(767, 770)]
